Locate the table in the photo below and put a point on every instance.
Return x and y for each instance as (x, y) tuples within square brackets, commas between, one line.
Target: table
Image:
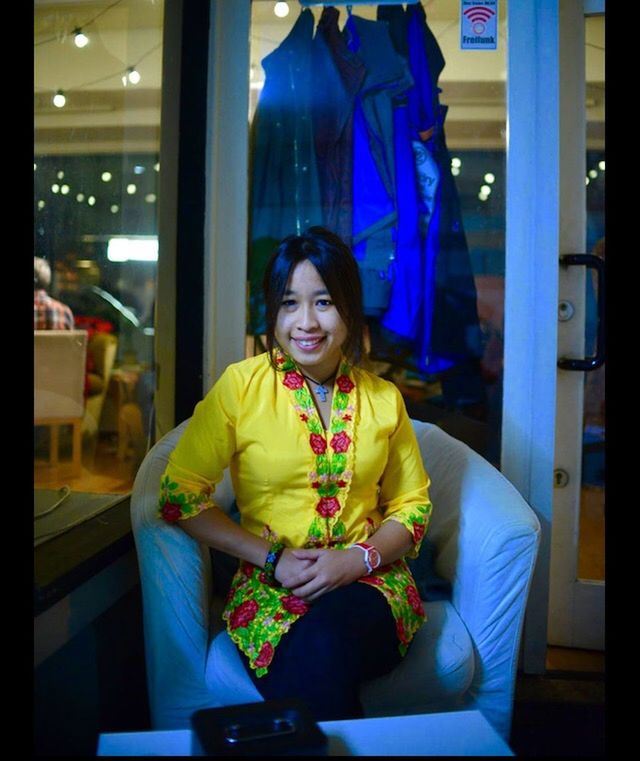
[(457, 733)]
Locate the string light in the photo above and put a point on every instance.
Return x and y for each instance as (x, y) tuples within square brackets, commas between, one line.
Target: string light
[(80, 38), (281, 9), (59, 99)]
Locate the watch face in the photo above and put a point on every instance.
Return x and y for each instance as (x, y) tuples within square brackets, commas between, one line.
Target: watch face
[(374, 557)]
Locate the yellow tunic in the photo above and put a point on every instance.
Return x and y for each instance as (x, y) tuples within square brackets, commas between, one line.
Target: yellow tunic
[(299, 484)]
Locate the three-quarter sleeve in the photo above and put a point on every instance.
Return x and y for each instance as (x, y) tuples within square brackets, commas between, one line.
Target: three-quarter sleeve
[(203, 452), (404, 486)]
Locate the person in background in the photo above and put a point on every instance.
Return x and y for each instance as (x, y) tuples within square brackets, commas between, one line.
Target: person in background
[(329, 483), (48, 313)]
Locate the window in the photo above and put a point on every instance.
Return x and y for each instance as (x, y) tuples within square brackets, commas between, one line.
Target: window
[(98, 69)]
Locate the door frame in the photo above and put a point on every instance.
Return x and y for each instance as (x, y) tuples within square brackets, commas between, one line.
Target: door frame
[(533, 246), (532, 239)]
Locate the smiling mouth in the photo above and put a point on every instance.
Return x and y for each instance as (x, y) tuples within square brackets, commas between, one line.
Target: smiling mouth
[(308, 343)]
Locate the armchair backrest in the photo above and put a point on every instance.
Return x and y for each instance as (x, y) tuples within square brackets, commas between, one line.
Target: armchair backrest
[(58, 373)]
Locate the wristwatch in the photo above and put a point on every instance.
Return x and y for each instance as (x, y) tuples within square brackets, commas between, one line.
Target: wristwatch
[(371, 558)]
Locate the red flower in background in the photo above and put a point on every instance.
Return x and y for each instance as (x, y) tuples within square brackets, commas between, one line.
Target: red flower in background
[(402, 635), (318, 444), (265, 656), (293, 380), (171, 512), (418, 531), (243, 614), (327, 507), (344, 383), (294, 604), (376, 581), (340, 442), (414, 599)]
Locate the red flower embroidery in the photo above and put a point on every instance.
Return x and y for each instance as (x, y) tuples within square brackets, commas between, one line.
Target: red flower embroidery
[(279, 360), (304, 417), (340, 442), (414, 599), (293, 380), (418, 531), (265, 656), (243, 614), (346, 417), (402, 635), (294, 604), (171, 512), (316, 485), (342, 483), (278, 617), (318, 444), (375, 580), (327, 507), (344, 384), (263, 578), (247, 569)]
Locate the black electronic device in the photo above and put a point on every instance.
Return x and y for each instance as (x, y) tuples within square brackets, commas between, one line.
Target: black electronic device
[(268, 728)]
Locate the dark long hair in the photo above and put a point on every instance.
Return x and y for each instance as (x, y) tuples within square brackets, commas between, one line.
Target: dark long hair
[(339, 270)]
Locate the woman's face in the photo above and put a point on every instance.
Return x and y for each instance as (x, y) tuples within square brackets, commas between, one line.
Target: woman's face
[(308, 327)]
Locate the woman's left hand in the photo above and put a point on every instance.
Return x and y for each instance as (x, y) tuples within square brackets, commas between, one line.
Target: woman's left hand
[(331, 569)]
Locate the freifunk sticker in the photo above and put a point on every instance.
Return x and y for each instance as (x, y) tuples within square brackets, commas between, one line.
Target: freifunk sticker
[(478, 24)]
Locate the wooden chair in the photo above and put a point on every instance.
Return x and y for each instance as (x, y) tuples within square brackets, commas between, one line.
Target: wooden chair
[(58, 398)]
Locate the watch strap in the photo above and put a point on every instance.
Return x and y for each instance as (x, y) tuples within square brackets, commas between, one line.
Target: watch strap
[(366, 549), (275, 551)]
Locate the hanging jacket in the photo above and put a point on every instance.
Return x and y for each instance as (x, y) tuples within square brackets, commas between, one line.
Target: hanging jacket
[(341, 73), (405, 304), (284, 187), (374, 176), (454, 333)]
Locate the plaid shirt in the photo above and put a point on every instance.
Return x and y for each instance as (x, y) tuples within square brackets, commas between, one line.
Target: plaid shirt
[(49, 314)]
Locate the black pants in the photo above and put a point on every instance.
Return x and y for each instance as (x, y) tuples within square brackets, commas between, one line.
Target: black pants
[(347, 637)]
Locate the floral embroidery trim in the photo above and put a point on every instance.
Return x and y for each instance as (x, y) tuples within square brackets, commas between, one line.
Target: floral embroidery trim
[(175, 505), (331, 477), (258, 614), (415, 520), (396, 583)]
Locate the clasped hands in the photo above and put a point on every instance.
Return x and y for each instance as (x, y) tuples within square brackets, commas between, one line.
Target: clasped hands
[(311, 573)]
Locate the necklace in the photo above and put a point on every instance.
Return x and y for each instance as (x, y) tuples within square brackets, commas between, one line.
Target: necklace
[(320, 389)]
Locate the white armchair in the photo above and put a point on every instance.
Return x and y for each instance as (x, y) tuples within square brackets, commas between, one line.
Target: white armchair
[(485, 539)]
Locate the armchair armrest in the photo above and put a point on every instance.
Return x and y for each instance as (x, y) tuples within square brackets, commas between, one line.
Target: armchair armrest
[(486, 538), (176, 579)]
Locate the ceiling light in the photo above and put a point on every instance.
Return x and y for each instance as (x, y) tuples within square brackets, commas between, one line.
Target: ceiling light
[(133, 75), (80, 38), (281, 9), (58, 99)]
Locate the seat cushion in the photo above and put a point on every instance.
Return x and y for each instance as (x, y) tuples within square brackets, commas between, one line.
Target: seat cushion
[(225, 674), (435, 673)]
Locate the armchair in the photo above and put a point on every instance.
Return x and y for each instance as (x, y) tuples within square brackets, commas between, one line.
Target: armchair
[(485, 539)]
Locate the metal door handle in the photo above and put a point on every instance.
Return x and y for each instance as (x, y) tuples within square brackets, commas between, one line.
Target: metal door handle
[(588, 363)]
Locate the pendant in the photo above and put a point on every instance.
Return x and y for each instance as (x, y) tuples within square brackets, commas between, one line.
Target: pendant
[(322, 392)]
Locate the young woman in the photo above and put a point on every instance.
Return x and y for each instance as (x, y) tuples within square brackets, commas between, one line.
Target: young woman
[(330, 486)]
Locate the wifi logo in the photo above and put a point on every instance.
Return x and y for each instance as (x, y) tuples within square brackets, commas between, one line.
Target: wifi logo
[(478, 15)]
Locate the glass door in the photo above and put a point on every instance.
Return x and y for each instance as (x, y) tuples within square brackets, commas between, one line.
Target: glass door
[(577, 579), (424, 214)]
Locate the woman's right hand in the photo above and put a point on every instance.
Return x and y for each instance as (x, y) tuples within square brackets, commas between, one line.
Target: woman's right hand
[(289, 568)]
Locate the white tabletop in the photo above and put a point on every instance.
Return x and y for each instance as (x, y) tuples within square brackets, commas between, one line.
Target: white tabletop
[(458, 733)]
